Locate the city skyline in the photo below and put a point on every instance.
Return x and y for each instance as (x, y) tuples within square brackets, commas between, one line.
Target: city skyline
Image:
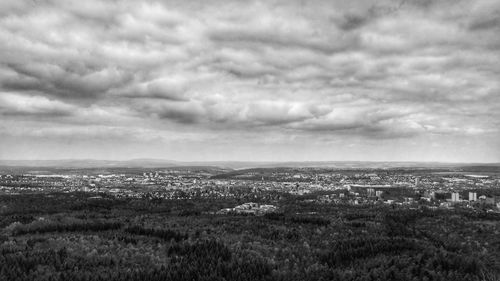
[(250, 80)]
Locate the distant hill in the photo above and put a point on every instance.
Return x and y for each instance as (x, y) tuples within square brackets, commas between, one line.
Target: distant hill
[(162, 163)]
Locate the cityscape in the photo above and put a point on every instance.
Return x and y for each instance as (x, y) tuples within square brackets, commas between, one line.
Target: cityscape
[(270, 222), (434, 189), (250, 140)]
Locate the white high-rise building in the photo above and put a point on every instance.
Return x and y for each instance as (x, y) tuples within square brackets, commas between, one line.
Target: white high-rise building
[(455, 197), (370, 192), (472, 196)]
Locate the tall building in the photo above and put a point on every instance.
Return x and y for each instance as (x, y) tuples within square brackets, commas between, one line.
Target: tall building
[(432, 195), (472, 196), (370, 192), (455, 197)]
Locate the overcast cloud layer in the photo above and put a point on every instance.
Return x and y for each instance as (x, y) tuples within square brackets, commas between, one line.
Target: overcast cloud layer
[(250, 80)]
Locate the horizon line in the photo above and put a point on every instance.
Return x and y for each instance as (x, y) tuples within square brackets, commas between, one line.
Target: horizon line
[(248, 161)]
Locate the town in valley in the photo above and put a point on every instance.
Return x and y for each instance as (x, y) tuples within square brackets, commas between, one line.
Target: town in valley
[(343, 221)]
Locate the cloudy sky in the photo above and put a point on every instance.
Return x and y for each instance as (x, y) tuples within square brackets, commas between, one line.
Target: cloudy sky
[(250, 80)]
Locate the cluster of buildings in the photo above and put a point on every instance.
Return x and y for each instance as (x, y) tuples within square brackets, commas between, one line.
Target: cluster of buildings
[(250, 208), (470, 199), (334, 187)]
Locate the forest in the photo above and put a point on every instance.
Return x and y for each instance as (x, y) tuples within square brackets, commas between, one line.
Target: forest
[(75, 236)]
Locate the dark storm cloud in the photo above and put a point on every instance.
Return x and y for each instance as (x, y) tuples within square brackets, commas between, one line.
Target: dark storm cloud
[(285, 38), (166, 89), (66, 82), (353, 21), (358, 18), (490, 21), (184, 113), (371, 70)]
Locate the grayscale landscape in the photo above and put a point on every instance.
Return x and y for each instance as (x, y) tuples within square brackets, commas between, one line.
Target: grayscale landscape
[(249, 140)]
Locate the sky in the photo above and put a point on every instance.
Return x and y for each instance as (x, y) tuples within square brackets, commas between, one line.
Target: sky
[(269, 80)]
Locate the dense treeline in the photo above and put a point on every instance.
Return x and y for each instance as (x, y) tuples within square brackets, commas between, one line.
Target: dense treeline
[(316, 220), (57, 227), (52, 203), (108, 239), (204, 260), (8, 219), (165, 234), (344, 252)]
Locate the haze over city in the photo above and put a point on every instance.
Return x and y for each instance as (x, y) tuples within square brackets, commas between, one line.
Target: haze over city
[(250, 80)]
